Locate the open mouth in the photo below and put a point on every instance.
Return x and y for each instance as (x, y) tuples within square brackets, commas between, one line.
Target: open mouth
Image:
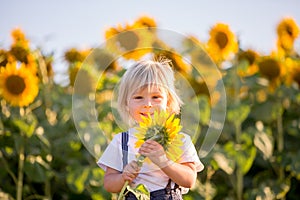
[(146, 114)]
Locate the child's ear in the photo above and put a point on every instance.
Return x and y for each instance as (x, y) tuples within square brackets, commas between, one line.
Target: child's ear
[(169, 103)]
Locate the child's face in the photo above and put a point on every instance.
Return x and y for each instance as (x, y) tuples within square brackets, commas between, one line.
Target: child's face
[(146, 100)]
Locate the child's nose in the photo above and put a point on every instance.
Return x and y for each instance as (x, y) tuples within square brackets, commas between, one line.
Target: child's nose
[(148, 103)]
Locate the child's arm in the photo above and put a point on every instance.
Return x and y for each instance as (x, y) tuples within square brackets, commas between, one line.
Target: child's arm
[(114, 180), (184, 174)]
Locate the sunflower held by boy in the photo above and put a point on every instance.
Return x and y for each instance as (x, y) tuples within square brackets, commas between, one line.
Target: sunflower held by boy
[(164, 128)]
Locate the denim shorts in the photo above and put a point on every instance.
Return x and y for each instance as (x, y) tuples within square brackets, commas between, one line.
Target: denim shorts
[(163, 194)]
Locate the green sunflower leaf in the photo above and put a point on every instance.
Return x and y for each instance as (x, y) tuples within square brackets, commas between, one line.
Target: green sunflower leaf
[(140, 191)]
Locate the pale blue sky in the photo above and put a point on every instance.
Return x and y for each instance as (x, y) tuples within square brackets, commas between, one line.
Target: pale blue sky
[(57, 25)]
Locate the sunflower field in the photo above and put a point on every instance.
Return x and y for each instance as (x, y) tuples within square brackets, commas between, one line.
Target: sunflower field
[(45, 155)]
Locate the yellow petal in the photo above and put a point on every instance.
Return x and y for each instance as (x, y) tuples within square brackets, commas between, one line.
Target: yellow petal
[(139, 143)]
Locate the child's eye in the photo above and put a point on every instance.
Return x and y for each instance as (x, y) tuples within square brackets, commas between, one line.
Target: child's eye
[(137, 97), (156, 97)]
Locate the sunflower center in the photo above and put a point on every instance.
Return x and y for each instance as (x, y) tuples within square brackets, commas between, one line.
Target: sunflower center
[(128, 40), (289, 30), (296, 76), (158, 134), (270, 68), (15, 84), (248, 56), (222, 40), (20, 53)]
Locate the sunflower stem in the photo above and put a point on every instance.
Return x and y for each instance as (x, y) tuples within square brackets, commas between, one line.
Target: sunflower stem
[(121, 195), (140, 160), (280, 145), (20, 172)]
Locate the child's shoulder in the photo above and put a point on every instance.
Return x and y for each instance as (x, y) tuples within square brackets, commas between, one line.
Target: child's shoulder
[(118, 136), (186, 137)]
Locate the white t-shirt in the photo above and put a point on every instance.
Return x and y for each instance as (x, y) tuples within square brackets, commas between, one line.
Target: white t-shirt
[(150, 175)]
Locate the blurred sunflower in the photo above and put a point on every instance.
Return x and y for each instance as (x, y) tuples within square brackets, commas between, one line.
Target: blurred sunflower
[(18, 86), (73, 72), (250, 56), (20, 48), (207, 80), (285, 45), (74, 55), (3, 57), (296, 74), (28, 60), (145, 21), (222, 43), (129, 41), (82, 73), (177, 61), (20, 53), (287, 32), (164, 129), (105, 60), (272, 69), (19, 38), (200, 86), (200, 58), (289, 27), (113, 31), (293, 75)]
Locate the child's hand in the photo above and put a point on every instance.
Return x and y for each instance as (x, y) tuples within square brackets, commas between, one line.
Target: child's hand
[(155, 152), (130, 171)]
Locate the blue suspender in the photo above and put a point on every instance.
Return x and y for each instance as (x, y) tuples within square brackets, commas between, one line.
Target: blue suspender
[(125, 148)]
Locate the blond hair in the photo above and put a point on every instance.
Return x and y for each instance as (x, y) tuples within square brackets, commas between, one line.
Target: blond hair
[(147, 73)]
